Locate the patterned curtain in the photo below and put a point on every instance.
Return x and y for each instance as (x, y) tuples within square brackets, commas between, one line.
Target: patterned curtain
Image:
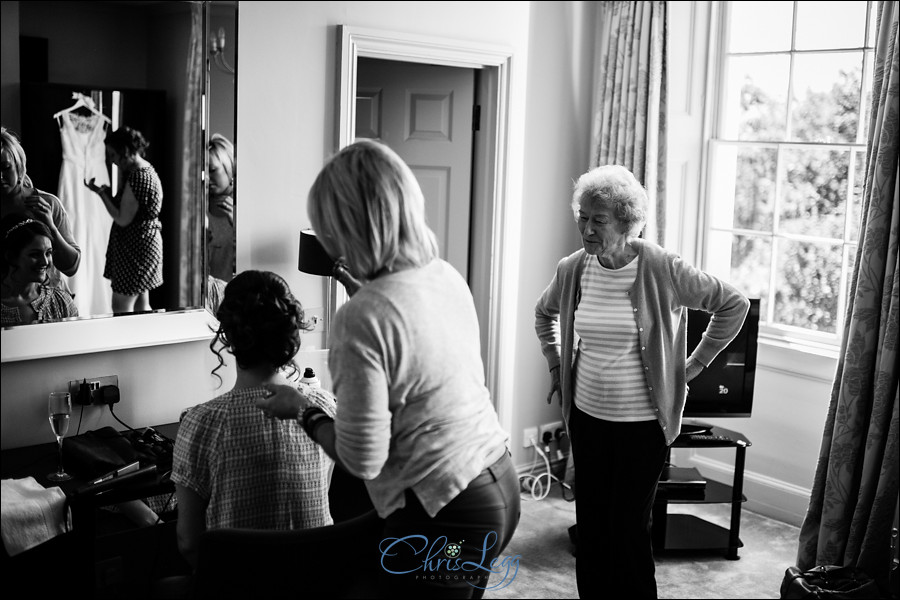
[(854, 493), (192, 265), (629, 126)]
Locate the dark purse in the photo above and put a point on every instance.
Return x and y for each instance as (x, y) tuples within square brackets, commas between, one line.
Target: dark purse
[(827, 582)]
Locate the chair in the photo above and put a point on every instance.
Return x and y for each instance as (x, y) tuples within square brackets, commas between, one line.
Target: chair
[(334, 561)]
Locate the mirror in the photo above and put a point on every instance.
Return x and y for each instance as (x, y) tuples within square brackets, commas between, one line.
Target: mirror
[(144, 65)]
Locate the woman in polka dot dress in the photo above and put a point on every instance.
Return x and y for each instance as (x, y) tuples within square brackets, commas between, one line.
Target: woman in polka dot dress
[(134, 253)]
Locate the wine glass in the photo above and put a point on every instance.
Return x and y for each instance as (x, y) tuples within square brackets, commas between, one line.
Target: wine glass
[(60, 409)]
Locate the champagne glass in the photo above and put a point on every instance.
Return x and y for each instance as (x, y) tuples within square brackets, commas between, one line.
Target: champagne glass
[(60, 409)]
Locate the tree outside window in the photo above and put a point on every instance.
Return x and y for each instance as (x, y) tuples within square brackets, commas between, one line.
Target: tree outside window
[(786, 160)]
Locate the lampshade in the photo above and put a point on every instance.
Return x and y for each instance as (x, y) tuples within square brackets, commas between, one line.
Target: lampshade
[(313, 258)]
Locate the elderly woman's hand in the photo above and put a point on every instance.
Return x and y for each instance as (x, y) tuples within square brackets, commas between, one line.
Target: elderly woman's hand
[(692, 368), (554, 384), (283, 401)]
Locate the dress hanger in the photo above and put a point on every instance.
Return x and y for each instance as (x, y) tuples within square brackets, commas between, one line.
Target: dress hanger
[(82, 101)]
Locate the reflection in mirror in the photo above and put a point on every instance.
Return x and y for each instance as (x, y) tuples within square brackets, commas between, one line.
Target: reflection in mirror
[(221, 169), (138, 64)]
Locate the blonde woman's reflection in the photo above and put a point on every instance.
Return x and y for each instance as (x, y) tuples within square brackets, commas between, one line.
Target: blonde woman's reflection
[(220, 233), (27, 294), (19, 196), (134, 254)]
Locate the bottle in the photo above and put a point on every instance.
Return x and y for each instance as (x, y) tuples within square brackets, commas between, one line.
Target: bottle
[(309, 378)]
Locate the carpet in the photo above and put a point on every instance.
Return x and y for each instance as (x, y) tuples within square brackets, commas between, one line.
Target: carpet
[(546, 567)]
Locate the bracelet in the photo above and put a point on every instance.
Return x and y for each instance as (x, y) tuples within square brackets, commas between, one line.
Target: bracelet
[(312, 418)]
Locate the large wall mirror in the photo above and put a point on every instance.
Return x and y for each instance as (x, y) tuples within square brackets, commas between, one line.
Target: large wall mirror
[(164, 68)]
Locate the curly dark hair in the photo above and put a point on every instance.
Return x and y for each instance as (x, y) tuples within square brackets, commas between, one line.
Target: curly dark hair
[(260, 322), (127, 141)]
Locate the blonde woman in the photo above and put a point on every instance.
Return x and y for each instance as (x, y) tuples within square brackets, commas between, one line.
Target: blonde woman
[(414, 417)]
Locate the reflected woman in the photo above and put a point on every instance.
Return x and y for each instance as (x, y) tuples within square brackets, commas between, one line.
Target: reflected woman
[(134, 254), (19, 196), (27, 295), (220, 233)]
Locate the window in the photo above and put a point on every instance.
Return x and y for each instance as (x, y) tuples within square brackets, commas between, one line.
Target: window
[(786, 158)]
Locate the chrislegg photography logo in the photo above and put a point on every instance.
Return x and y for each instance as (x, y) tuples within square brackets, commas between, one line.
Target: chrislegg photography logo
[(442, 559)]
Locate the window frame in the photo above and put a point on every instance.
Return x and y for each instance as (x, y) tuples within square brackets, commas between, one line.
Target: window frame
[(786, 336)]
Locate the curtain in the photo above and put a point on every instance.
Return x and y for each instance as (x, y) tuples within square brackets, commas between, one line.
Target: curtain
[(191, 266), (854, 493), (630, 99)]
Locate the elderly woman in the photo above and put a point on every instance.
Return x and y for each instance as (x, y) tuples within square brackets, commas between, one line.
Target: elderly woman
[(19, 196), (27, 295), (612, 328), (414, 417)]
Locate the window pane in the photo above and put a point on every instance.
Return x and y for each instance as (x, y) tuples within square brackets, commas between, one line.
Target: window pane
[(859, 178), (750, 175), (807, 285), (742, 261), (863, 132), (814, 194), (755, 97), (851, 264), (748, 19), (835, 25), (825, 106)]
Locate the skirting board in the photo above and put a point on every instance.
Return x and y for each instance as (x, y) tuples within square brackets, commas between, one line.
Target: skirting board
[(766, 495)]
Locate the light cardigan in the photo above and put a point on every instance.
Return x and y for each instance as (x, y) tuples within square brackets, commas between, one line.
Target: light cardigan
[(413, 410), (664, 287)]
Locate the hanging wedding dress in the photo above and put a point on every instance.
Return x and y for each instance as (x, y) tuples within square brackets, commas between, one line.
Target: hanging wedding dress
[(84, 158)]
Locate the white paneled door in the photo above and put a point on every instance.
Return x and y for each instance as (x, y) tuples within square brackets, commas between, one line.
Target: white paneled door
[(425, 114)]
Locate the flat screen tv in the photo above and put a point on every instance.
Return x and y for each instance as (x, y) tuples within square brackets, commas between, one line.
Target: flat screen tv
[(725, 387)]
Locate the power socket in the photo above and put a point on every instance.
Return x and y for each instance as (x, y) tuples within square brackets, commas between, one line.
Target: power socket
[(530, 433), (95, 387), (548, 430)]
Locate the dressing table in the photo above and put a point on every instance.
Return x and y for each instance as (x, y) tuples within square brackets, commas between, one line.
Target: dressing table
[(102, 555)]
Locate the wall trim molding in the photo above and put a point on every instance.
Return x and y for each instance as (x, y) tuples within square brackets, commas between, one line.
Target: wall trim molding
[(492, 161), (768, 496)]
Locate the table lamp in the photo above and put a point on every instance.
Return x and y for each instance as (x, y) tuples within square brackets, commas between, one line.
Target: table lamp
[(313, 259)]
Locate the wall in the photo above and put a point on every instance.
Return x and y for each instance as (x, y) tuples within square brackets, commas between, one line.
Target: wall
[(291, 124), (285, 127)]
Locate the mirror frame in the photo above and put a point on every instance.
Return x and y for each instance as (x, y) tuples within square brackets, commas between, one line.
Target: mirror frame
[(102, 333)]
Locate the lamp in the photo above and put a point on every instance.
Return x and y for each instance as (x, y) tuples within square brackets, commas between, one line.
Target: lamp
[(313, 259), (312, 256), (217, 51)]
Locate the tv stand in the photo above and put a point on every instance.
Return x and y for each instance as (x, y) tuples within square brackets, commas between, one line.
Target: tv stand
[(695, 428), (689, 532)]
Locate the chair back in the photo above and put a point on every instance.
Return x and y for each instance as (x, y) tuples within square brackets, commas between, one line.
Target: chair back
[(334, 561)]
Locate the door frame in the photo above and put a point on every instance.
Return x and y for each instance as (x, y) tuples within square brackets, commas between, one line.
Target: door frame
[(488, 232)]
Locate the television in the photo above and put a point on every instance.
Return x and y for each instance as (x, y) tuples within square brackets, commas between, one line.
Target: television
[(725, 387)]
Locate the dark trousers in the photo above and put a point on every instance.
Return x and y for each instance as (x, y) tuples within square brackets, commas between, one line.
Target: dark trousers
[(617, 469), (480, 521)]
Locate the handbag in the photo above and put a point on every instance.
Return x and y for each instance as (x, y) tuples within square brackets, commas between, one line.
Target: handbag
[(829, 582)]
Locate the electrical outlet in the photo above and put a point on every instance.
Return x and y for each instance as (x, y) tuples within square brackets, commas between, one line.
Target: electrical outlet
[(316, 317), (549, 428), (530, 433), (95, 385)]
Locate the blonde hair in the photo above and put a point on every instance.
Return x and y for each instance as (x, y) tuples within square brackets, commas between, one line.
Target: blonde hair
[(222, 148), (367, 207), (9, 141), (616, 188)]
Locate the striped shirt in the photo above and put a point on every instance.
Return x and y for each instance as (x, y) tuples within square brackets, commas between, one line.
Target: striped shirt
[(609, 377), (256, 472)]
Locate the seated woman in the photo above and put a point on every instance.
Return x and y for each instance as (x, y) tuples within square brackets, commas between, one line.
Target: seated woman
[(27, 296), (235, 466)]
